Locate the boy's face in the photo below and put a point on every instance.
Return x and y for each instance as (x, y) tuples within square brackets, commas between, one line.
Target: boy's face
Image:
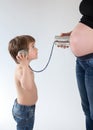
[(32, 51)]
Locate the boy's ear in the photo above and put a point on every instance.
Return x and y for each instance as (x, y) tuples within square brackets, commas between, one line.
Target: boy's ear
[(17, 58)]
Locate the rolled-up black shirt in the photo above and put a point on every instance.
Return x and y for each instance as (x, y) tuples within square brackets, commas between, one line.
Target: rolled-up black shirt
[(86, 9)]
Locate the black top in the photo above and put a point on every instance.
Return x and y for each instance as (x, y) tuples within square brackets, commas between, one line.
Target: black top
[(86, 9)]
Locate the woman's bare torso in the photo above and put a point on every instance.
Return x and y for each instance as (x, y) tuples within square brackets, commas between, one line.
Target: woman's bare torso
[(81, 40)]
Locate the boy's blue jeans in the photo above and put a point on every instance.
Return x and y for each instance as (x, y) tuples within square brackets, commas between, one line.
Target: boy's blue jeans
[(84, 74), (24, 116)]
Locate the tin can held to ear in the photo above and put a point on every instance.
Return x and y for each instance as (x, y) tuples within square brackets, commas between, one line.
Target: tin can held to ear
[(22, 52)]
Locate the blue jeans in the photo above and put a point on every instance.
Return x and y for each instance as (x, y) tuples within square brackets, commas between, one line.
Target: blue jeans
[(84, 74), (24, 116)]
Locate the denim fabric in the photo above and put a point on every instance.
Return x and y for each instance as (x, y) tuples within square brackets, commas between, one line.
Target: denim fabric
[(24, 116), (84, 74)]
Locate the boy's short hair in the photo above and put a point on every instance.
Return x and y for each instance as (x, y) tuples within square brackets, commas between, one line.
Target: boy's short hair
[(19, 43)]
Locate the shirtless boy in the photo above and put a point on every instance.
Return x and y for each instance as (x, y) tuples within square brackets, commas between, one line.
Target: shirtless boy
[(23, 51)]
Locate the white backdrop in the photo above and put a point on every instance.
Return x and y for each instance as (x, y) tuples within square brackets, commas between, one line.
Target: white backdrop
[(58, 107)]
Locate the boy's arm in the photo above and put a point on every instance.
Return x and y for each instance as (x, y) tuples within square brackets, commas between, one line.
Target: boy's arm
[(24, 74), (26, 78)]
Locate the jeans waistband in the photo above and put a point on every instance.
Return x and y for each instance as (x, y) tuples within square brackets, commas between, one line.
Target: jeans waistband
[(22, 106), (88, 56)]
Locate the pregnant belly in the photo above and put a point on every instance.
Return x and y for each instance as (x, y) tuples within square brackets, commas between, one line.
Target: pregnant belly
[(81, 40)]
